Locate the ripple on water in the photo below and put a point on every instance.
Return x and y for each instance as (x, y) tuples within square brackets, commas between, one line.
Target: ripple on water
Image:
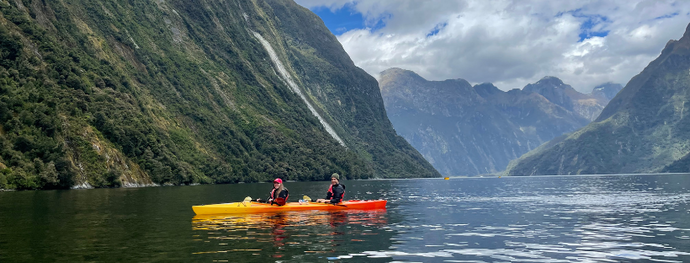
[(597, 223), (538, 253)]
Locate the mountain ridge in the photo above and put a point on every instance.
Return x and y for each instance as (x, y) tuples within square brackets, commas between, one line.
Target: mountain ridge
[(553, 89), (468, 130), (642, 129)]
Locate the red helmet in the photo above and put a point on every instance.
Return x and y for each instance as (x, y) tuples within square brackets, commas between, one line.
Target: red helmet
[(278, 180)]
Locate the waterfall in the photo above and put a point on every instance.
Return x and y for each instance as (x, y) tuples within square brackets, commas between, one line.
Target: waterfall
[(288, 80)]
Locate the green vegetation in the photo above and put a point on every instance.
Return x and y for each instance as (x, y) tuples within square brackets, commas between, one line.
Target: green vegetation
[(170, 92)]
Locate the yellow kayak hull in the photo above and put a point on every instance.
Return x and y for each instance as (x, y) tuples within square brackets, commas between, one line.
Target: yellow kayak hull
[(254, 207)]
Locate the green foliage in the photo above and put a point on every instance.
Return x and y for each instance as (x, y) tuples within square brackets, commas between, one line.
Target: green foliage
[(3, 179), (345, 94), (94, 92)]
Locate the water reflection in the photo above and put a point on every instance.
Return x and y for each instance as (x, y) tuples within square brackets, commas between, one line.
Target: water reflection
[(536, 219), (289, 235), (563, 219)]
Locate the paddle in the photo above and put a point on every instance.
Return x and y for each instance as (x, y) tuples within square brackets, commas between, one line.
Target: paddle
[(308, 199)]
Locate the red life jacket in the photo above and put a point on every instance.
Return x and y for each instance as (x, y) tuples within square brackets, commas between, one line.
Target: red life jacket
[(280, 201), (330, 190)]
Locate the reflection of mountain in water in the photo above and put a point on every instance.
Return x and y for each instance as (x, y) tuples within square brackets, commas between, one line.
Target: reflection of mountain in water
[(306, 233)]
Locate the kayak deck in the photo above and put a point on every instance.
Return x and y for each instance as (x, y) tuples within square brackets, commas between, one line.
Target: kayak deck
[(255, 207)]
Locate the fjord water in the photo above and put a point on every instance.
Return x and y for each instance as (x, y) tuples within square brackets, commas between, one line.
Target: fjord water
[(520, 219)]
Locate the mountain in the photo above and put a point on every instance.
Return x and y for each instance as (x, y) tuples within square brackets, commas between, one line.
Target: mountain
[(642, 129), (606, 91), (532, 112), (466, 130), (127, 93), (553, 89)]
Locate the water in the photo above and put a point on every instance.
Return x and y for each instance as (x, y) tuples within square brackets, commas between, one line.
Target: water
[(626, 218)]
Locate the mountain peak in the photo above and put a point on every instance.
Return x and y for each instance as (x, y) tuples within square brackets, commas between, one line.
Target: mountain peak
[(686, 35), (395, 70), (398, 74), (466, 130), (550, 80), (546, 83), (673, 59), (638, 130), (564, 95), (607, 90), (487, 89)]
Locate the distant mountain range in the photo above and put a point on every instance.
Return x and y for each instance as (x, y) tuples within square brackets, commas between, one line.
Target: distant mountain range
[(645, 128), (468, 130)]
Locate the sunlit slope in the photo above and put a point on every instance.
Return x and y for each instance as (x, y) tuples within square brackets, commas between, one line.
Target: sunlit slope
[(643, 129), (176, 92)]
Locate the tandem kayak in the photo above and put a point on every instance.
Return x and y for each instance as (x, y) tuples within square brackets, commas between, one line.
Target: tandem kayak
[(255, 207)]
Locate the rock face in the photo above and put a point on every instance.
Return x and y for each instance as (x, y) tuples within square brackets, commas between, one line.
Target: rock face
[(123, 93), (606, 91), (466, 130), (643, 129), (586, 105)]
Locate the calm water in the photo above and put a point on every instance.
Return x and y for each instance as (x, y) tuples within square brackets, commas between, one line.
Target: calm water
[(630, 218)]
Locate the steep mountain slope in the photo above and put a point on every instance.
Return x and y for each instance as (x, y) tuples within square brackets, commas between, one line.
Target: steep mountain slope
[(465, 130), (177, 92), (643, 129), (553, 89)]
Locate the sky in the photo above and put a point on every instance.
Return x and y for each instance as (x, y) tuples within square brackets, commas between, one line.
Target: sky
[(508, 43)]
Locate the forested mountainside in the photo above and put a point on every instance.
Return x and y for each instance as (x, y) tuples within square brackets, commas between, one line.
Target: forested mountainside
[(466, 130), (128, 93), (642, 129)]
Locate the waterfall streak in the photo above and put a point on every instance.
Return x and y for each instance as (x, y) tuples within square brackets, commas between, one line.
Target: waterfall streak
[(288, 79)]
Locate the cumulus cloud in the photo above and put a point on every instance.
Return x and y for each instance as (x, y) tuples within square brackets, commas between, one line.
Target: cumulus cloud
[(512, 43)]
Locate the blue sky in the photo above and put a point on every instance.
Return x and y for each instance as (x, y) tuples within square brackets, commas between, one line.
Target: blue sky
[(591, 24), (341, 20), (508, 43), (345, 19)]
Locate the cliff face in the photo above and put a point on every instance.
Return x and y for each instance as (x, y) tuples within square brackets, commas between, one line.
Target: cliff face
[(587, 106), (466, 130), (642, 129), (606, 91), (120, 93)]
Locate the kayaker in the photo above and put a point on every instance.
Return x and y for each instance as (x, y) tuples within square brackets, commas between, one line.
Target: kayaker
[(278, 195), (336, 191)]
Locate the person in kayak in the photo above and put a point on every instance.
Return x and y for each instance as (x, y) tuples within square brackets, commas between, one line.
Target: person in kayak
[(278, 195), (336, 191)]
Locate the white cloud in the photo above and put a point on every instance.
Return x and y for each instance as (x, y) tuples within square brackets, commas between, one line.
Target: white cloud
[(513, 43)]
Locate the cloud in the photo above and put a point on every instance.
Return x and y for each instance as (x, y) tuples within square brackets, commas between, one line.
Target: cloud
[(512, 43)]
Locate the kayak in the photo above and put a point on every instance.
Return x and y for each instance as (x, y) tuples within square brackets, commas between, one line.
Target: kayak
[(255, 207), (299, 219)]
